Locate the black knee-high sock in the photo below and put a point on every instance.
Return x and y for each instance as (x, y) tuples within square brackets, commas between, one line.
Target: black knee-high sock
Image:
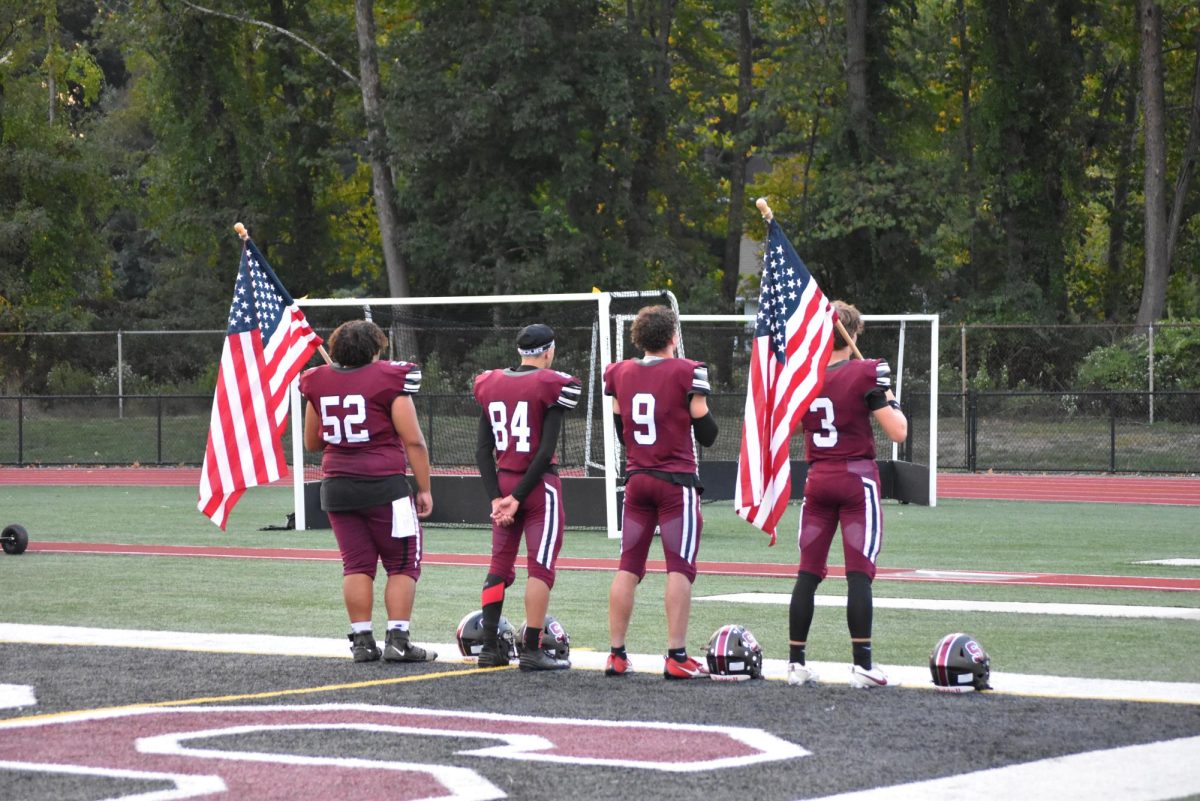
[(492, 602), (800, 612), (859, 611)]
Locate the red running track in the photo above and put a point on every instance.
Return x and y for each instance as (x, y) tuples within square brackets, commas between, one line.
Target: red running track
[(1153, 490), (757, 569)]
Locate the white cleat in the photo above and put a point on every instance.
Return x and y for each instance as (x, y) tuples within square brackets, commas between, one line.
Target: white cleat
[(867, 679), (801, 675)]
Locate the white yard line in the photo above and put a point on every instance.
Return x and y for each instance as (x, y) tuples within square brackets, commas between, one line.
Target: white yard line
[(1171, 562), (1151, 772), (831, 673), (931, 605)]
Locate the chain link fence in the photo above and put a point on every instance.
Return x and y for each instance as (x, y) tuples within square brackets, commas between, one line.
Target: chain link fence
[(1013, 398)]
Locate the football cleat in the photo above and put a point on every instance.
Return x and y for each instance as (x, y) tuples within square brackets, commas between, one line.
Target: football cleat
[(865, 679), (494, 655), (801, 675), (541, 659), (617, 665), (397, 648), (363, 646), (687, 669)]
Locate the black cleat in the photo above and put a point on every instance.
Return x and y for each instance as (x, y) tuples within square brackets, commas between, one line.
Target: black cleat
[(540, 660), (363, 646), (493, 655), (397, 648)]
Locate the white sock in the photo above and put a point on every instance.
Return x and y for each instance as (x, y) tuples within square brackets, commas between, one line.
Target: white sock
[(397, 625), (360, 627)]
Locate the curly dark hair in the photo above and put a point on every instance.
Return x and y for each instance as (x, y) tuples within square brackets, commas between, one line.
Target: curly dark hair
[(356, 342), (851, 321), (653, 328)]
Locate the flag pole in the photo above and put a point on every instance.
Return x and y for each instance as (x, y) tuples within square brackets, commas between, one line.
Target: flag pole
[(769, 215), (241, 231)]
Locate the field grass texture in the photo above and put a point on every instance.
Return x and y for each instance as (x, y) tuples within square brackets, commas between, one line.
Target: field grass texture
[(304, 597)]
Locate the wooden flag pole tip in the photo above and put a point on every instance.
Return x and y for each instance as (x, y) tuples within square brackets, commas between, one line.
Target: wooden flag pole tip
[(241, 231), (764, 209)]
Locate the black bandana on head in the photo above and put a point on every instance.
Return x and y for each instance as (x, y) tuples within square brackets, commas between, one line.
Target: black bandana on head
[(535, 339)]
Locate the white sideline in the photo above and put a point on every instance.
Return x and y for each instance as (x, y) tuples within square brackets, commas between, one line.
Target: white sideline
[(1181, 562), (1150, 772), (931, 605), (831, 673)]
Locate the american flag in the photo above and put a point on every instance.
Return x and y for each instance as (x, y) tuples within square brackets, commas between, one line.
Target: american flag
[(268, 342), (793, 338)]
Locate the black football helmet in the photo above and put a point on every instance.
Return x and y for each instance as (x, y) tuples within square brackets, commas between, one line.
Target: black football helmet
[(555, 640), (959, 664), (471, 636), (734, 654)]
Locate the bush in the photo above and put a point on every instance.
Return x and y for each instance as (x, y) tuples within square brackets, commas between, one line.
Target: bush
[(67, 379), (1177, 358), (1124, 366)]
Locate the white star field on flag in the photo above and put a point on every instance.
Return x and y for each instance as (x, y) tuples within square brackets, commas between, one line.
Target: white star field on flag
[(778, 298), (256, 301)]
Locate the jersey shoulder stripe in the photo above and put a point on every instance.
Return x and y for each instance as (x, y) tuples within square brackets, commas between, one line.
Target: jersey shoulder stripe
[(700, 384), (568, 396), (883, 374)]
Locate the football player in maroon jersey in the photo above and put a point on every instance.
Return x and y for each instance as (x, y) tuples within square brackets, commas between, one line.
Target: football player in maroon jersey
[(360, 415), (515, 452), (842, 486), (658, 401)]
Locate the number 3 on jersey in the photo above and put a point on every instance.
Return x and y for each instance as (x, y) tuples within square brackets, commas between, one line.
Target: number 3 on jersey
[(504, 428), (827, 437)]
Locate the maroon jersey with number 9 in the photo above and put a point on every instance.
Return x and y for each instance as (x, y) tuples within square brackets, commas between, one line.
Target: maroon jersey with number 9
[(654, 396), (838, 424), (515, 402), (355, 408)]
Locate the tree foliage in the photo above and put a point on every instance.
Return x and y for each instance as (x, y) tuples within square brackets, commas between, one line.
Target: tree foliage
[(977, 158)]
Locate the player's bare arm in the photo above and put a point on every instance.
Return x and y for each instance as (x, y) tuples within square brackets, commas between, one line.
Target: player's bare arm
[(892, 420), (312, 429), (404, 418)]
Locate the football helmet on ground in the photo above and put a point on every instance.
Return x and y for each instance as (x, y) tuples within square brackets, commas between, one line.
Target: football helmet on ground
[(959, 664), (555, 640), (734, 654), (471, 636)]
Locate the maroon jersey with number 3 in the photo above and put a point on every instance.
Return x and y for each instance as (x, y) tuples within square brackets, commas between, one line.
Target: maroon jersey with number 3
[(355, 408), (515, 402), (838, 424), (654, 396)]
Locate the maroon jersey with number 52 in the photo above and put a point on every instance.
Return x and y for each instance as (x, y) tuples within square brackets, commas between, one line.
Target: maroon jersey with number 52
[(515, 402), (355, 408), (655, 396), (838, 424)]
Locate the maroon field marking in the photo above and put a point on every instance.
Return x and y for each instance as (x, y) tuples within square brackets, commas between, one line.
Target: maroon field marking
[(756, 569)]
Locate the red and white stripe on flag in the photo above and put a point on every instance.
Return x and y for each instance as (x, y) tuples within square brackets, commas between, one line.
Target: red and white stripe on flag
[(250, 404), (794, 337)]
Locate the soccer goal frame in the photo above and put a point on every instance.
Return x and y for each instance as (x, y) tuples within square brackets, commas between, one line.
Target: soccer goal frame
[(932, 320), (603, 347)]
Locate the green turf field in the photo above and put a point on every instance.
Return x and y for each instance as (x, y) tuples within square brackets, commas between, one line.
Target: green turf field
[(304, 598)]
